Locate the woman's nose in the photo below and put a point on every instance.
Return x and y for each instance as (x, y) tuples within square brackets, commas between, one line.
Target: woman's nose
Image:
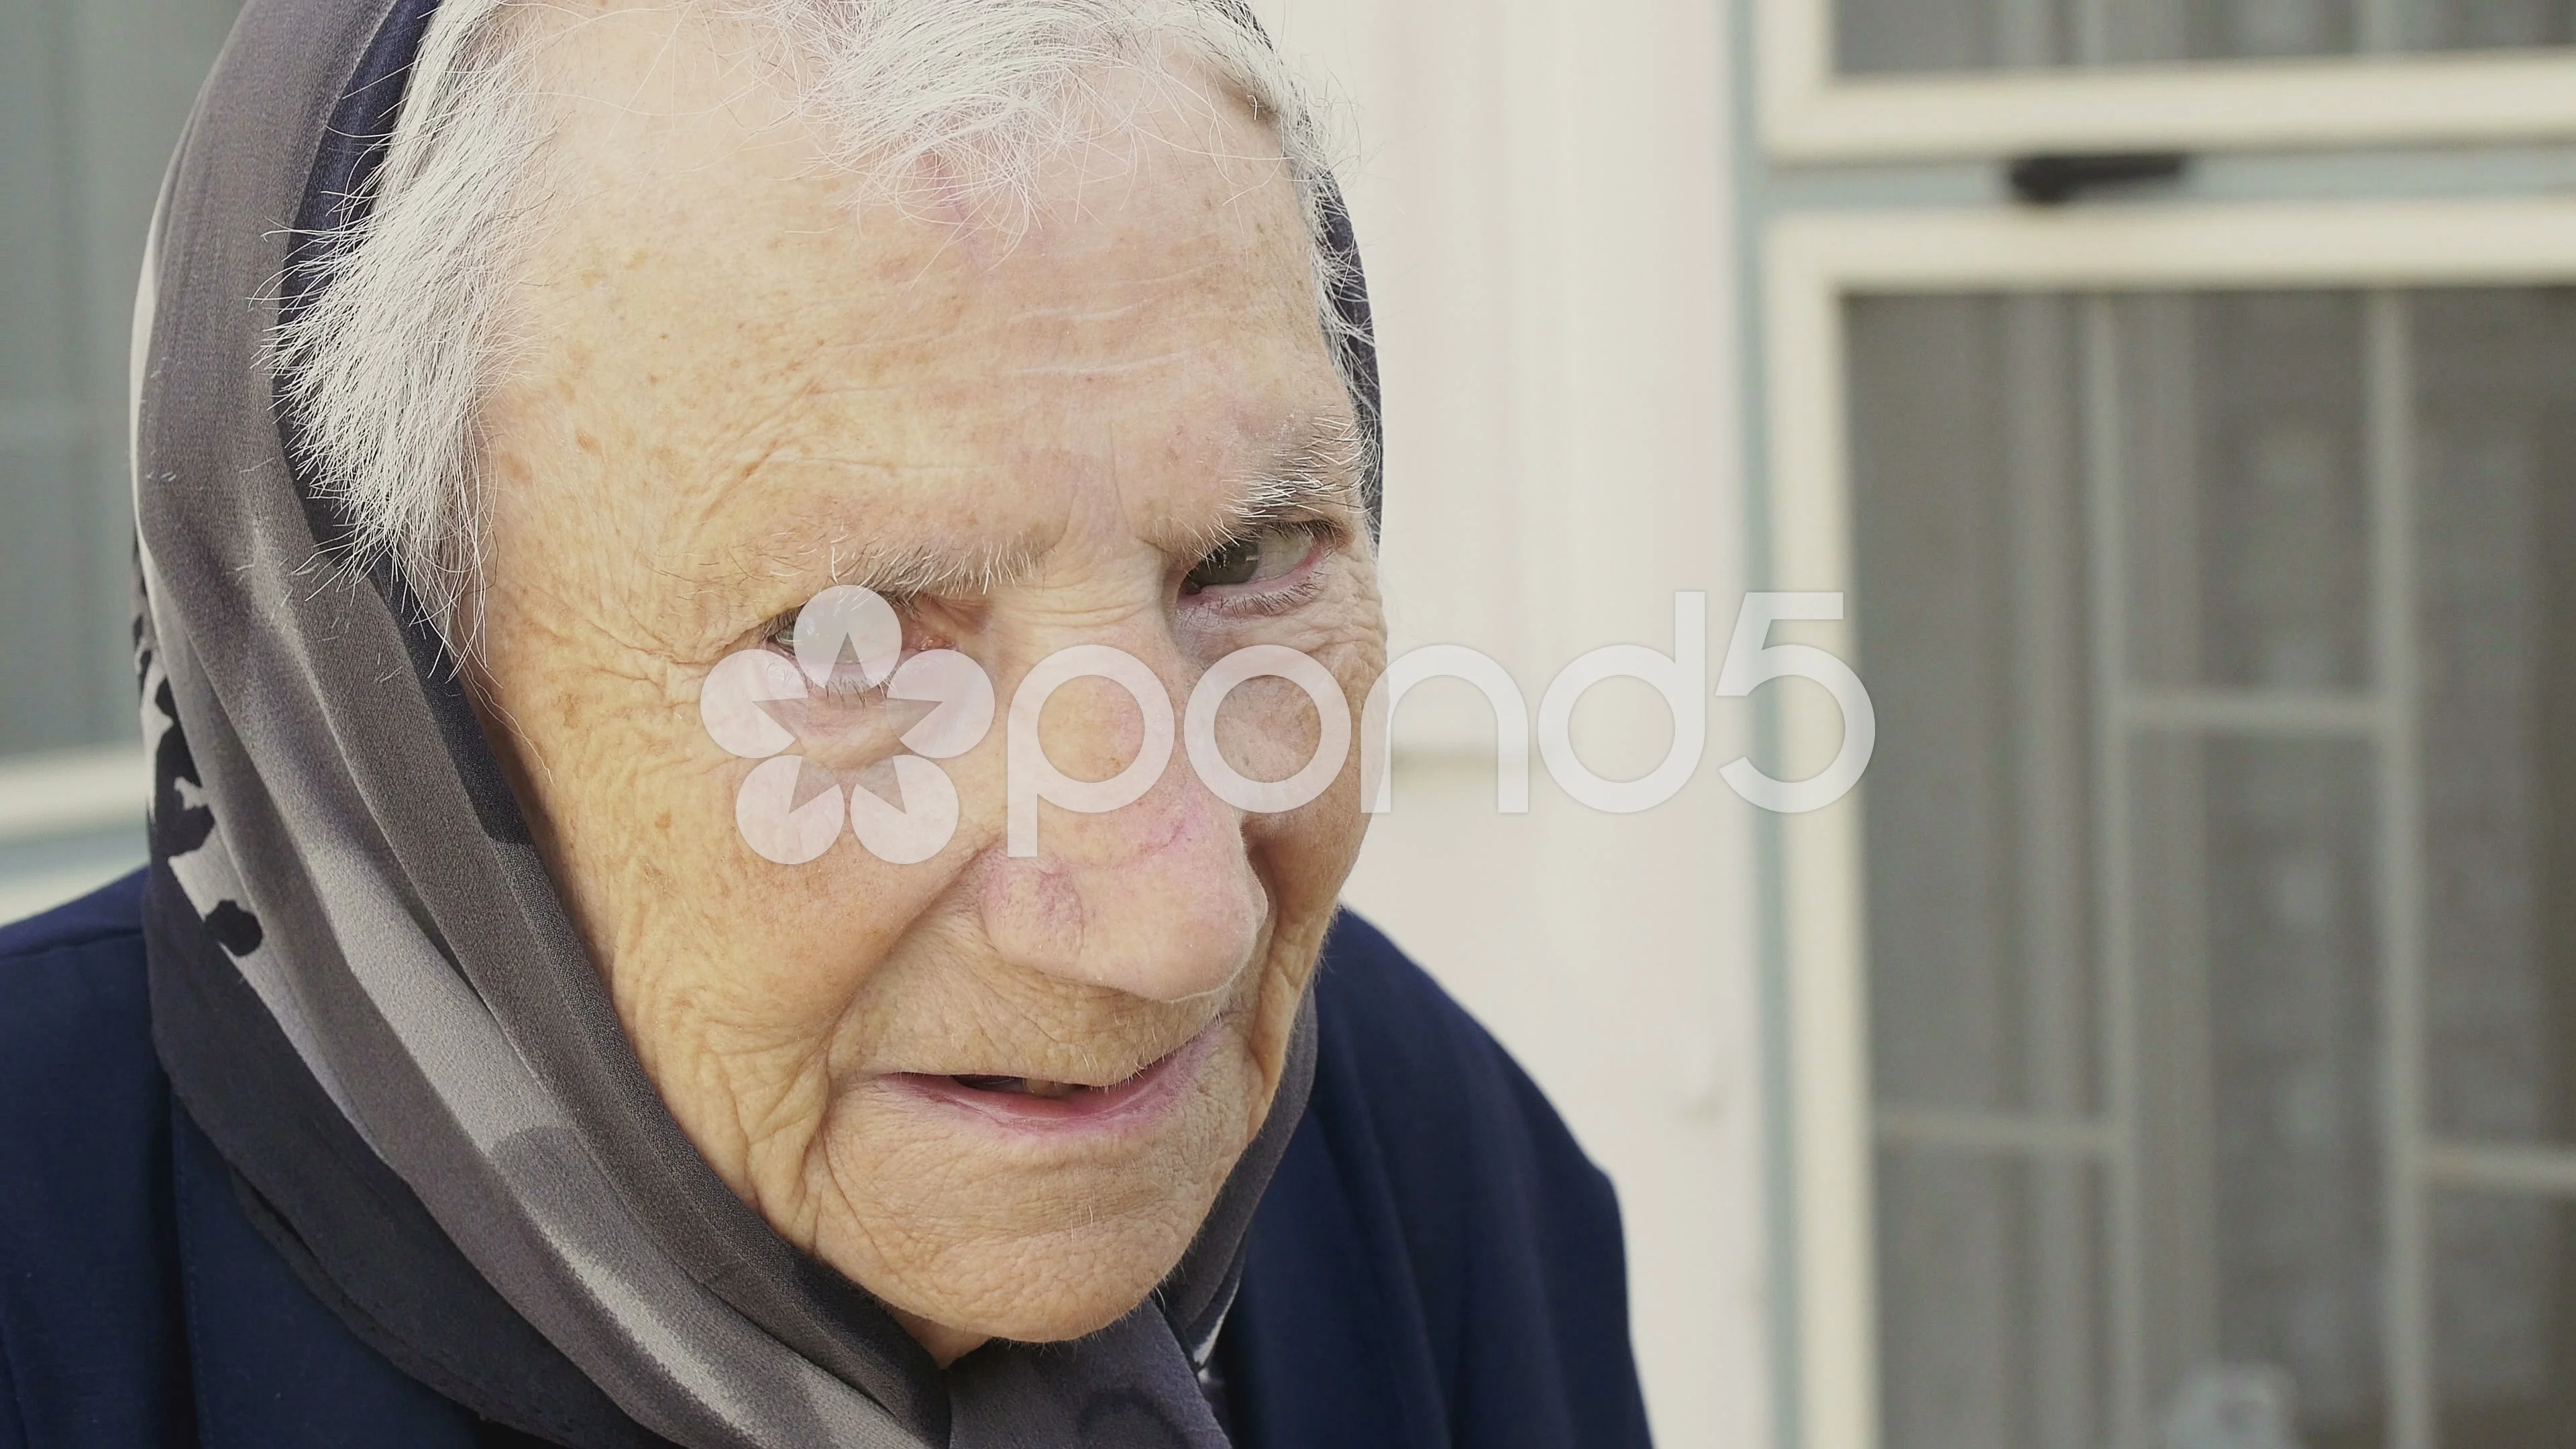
[(1156, 897)]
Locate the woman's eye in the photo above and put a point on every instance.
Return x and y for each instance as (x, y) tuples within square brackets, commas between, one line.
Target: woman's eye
[(1254, 559)]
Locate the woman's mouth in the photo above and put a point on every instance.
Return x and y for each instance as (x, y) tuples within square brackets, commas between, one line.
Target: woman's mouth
[(1045, 1103), (1031, 1086)]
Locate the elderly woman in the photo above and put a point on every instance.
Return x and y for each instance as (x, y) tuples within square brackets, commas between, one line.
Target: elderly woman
[(671, 538)]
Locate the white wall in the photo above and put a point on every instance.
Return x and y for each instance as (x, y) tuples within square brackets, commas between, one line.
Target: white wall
[(1542, 199)]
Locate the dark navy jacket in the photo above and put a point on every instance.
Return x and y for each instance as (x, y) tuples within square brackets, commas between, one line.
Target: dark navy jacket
[(1436, 1262)]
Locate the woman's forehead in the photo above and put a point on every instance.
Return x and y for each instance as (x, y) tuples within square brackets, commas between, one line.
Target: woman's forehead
[(665, 133), (750, 358), (1157, 417)]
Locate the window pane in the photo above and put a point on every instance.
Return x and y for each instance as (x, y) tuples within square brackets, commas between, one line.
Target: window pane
[(1927, 36), (2504, 1320), (1970, 621), (92, 95), (2258, 1033), (2240, 445), (45, 461), (1992, 1324), (1874, 36), (49, 648), (2489, 24), (2496, 528), (2178, 863)]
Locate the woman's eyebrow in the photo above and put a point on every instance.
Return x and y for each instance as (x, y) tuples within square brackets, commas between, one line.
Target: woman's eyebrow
[(928, 568), (1317, 472), (711, 600)]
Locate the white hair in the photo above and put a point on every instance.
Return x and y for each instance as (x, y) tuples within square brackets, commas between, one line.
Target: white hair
[(386, 366)]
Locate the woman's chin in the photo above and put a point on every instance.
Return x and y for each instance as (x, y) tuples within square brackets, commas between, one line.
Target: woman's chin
[(998, 1221), (1081, 1288)]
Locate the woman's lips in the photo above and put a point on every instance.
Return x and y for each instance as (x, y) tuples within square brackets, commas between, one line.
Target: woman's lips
[(1054, 1107)]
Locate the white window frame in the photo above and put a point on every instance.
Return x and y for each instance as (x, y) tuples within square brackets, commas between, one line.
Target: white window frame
[(1809, 113), (1812, 263)]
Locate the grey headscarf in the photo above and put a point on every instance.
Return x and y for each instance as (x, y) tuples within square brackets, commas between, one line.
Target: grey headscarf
[(366, 987)]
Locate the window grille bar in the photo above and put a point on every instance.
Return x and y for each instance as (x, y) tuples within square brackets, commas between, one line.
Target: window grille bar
[(2255, 712), (1996, 1134), (2494, 1167), (2389, 458), (2105, 505), (2059, 1080)]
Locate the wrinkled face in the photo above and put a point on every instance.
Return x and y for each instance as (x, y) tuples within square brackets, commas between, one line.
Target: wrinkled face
[(998, 1091)]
